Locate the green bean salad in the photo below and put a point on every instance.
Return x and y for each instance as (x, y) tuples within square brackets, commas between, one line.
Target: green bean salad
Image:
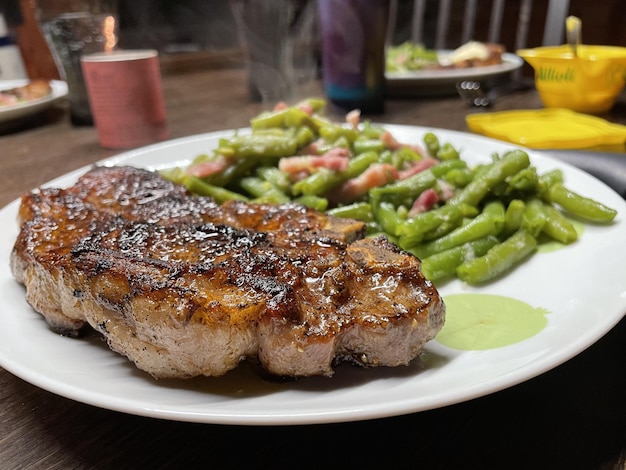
[(473, 223), (409, 57)]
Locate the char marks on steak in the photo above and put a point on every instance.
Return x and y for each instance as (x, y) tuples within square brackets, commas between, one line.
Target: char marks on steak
[(184, 287)]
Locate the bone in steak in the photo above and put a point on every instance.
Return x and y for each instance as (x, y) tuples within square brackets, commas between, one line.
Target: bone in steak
[(184, 287)]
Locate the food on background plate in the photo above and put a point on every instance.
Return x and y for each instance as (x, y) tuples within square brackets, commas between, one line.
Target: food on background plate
[(32, 91), (184, 286), (473, 54), (408, 57)]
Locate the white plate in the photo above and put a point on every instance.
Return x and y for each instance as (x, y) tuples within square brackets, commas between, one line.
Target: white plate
[(445, 79), (582, 286), (28, 108)]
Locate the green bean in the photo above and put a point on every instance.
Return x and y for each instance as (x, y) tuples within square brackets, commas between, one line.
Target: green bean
[(580, 206), (317, 122), (304, 136), (315, 202), (404, 155), (357, 210), (386, 156), (447, 152), (495, 210), (220, 194), (224, 147), (264, 146), (318, 183), (479, 170), (443, 168), (275, 176), (411, 231), (176, 174), (534, 217), (558, 227), (443, 229), (546, 180), (467, 213), (203, 157), (387, 217), (499, 259), (513, 217), (482, 225), (287, 132), (324, 180), (479, 187), (406, 190), (443, 265), (342, 142), (331, 133), (368, 145), (241, 167), (370, 131), (263, 191), (288, 117), (458, 177), (432, 143), (359, 164), (373, 229), (430, 220), (525, 180), (403, 212), (316, 104)]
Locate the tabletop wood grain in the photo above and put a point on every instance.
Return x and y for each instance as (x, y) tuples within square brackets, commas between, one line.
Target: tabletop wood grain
[(573, 416)]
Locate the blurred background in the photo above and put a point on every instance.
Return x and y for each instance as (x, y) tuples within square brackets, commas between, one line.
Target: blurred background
[(192, 34)]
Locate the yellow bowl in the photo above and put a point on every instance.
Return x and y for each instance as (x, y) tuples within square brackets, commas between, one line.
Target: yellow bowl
[(588, 83)]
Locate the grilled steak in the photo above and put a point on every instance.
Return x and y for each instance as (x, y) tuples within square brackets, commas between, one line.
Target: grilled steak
[(183, 286)]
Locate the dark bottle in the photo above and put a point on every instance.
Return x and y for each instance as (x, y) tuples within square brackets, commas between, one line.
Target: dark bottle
[(353, 53)]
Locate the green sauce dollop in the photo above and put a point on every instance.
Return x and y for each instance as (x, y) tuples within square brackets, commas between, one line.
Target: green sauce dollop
[(484, 321)]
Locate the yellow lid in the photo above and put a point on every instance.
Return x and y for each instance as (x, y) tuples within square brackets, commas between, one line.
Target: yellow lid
[(549, 128)]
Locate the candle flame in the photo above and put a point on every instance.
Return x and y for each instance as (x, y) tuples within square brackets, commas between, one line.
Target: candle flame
[(110, 38)]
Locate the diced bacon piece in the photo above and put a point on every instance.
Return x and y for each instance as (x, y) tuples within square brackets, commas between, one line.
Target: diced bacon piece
[(389, 140), (377, 174), (393, 144), (424, 202), (307, 108), (353, 118), (311, 149), (338, 152), (298, 175), (296, 164), (336, 159), (446, 191), (417, 167), (331, 162), (280, 106), (204, 169)]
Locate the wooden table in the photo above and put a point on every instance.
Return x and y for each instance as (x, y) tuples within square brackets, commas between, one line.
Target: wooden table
[(573, 416)]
